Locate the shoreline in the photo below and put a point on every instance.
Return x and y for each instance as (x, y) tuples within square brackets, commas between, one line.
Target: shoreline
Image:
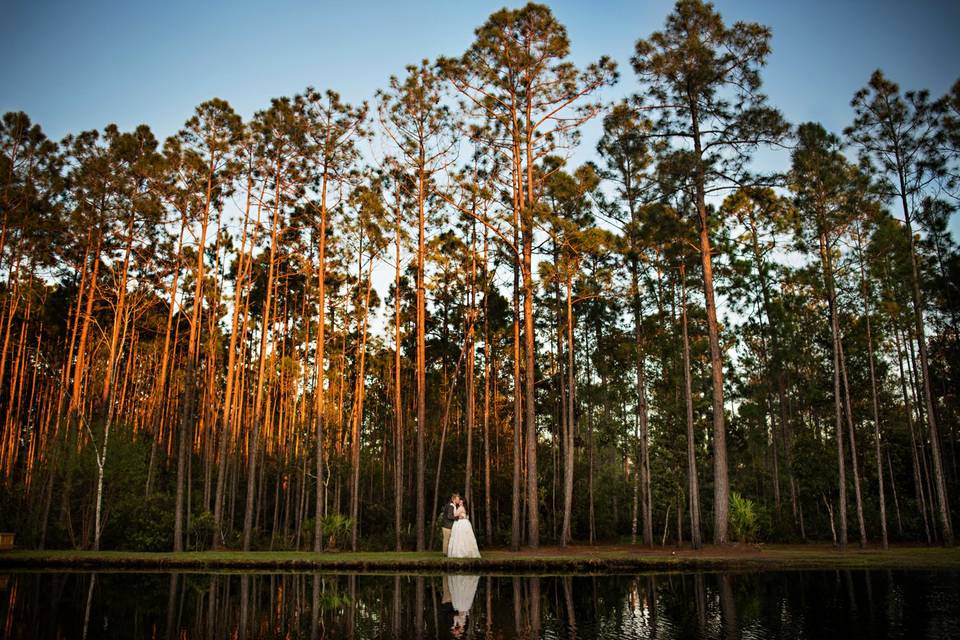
[(574, 559)]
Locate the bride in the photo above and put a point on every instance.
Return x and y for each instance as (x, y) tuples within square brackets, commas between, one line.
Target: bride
[(463, 544)]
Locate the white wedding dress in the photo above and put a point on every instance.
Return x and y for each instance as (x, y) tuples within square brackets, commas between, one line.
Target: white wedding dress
[(462, 591), (463, 543)]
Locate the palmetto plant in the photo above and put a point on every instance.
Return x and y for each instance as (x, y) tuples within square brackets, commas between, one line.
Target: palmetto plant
[(743, 518), (334, 526), (334, 601)]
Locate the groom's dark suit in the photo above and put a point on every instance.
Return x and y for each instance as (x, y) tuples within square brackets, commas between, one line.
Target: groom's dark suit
[(448, 520)]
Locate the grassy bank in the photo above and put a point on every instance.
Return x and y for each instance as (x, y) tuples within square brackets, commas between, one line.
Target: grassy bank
[(549, 559)]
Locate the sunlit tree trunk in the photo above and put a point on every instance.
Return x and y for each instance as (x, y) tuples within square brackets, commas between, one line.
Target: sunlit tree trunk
[(319, 392), (184, 447), (568, 428), (240, 285), (470, 381), (265, 332), (360, 391), (397, 397), (529, 339), (488, 371), (515, 522), (421, 353), (721, 489)]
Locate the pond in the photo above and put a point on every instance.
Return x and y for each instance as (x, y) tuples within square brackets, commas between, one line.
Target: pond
[(191, 606)]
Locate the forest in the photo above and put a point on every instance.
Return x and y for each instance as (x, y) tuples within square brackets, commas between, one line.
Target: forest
[(305, 330)]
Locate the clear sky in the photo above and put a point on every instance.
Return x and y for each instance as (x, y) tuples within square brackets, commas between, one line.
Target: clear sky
[(74, 65)]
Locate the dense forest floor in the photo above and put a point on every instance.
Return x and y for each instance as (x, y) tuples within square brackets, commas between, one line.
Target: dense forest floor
[(601, 558)]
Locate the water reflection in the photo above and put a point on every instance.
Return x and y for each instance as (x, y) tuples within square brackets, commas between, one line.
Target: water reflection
[(194, 606), (458, 594)]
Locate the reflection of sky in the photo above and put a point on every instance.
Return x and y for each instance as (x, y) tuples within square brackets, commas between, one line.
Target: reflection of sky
[(75, 66)]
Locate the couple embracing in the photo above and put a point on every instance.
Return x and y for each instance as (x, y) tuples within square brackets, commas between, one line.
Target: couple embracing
[(458, 538)]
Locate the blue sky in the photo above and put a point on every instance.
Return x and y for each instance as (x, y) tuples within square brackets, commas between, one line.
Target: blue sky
[(80, 65)]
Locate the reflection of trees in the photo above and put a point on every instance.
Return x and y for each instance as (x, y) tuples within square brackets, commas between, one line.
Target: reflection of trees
[(488, 610), (418, 606), (244, 604), (517, 600), (535, 605), (314, 608), (86, 614), (171, 605), (568, 603), (295, 606), (194, 606), (396, 618), (700, 597), (728, 608)]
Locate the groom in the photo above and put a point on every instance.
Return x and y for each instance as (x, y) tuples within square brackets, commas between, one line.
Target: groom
[(449, 519)]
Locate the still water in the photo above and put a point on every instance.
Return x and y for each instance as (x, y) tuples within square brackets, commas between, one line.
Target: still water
[(191, 606)]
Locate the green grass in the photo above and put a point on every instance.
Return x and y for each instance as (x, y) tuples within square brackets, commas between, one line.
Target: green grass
[(621, 558)]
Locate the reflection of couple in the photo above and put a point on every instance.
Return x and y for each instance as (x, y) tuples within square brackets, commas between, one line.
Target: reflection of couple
[(458, 593), (458, 538)]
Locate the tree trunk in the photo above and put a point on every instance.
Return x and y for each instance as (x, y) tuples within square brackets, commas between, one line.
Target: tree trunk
[(591, 516), (488, 370), (893, 486), (768, 370), (838, 419), (529, 376), (721, 488), (568, 428), (359, 394), (320, 408), (470, 382), (873, 394), (231, 383), (515, 523), (265, 332), (854, 463), (421, 357), (642, 410), (917, 482), (162, 391), (118, 313), (943, 503), (529, 335), (185, 448), (693, 482), (397, 398)]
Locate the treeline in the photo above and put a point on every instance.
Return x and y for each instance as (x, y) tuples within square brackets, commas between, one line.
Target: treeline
[(310, 327)]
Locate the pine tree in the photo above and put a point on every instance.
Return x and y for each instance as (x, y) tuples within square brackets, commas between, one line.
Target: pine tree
[(422, 131), (515, 75), (702, 78), (900, 134)]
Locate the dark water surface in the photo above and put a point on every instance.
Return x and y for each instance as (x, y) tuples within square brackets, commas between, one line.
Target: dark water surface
[(191, 606)]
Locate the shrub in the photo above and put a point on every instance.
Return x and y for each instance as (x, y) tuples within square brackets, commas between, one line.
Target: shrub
[(744, 518), (335, 526), (201, 530), (141, 524)]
